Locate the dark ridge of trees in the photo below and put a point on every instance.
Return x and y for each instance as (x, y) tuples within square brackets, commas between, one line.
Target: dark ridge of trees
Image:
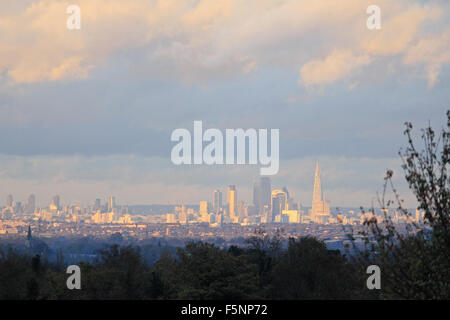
[(305, 270)]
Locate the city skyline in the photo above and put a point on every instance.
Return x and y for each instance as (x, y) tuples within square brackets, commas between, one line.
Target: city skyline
[(270, 206), (262, 189), (250, 192)]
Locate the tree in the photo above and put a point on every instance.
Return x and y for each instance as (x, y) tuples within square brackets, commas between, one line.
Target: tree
[(307, 270), (203, 271), (415, 262), (14, 274), (263, 251)]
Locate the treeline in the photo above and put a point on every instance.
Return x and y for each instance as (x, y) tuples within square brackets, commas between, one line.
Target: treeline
[(262, 270)]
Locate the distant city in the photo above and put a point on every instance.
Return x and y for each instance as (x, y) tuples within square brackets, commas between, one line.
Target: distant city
[(274, 209)]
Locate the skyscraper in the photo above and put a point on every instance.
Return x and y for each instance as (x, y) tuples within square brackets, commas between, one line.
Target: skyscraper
[(183, 215), (111, 203), (240, 209), (204, 211), (97, 204), (56, 201), (217, 200), (9, 200), (232, 202), (256, 196), (279, 202), (320, 210), (264, 193), (203, 207), (31, 204)]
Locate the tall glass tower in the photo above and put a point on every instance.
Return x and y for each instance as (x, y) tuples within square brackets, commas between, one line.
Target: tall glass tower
[(217, 200)]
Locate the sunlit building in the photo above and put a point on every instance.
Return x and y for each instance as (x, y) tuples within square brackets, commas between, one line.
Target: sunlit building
[(320, 211), (232, 203), (170, 218), (279, 202), (56, 202), (204, 211), (183, 215), (293, 216)]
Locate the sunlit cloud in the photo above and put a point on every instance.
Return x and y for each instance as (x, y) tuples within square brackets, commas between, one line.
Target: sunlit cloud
[(337, 65), (198, 40)]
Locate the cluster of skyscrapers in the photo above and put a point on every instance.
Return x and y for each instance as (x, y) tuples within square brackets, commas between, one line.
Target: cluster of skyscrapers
[(17, 208), (268, 206)]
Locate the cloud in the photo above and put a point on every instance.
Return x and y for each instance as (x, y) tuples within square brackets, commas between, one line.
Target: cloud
[(397, 32), (401, 33), (337, 65), (200, 40), (432, 51)]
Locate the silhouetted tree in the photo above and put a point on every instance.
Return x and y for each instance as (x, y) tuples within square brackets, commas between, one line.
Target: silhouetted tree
[(415, 262), (307, 270), (204, 271)]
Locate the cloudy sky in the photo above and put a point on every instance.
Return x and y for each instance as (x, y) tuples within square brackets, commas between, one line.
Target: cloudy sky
[(88, 113)]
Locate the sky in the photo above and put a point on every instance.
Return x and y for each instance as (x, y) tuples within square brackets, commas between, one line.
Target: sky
[(89, 113)]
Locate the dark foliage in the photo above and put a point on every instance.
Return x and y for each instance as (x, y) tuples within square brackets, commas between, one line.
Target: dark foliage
[(306, 270), (415, 262)]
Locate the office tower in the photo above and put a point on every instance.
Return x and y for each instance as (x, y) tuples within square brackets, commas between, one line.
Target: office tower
[(264, 193), (285, 190), (111, 203), (320, 210), (279, 202), (300, 209), (18, 208), (56, 201), (9, 201), (97, 204), (183, 215), (241, 209), (291, 216), (232, 203), (290, 201), (204, 211), (217, 200), (203, 207), (256, 196), (219, 217), (31, 204)]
